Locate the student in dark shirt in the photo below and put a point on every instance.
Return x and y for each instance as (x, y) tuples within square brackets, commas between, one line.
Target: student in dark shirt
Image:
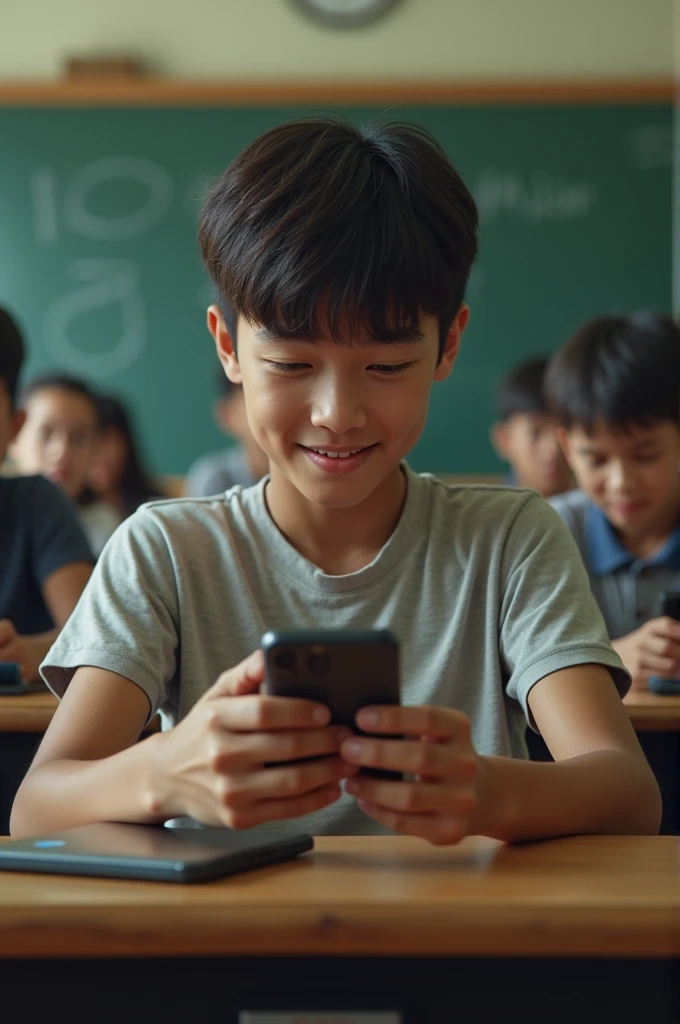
[(45, 560)]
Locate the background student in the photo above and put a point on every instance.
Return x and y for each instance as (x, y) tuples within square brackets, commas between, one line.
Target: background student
[(45, 560), (367, 239), (524, 435), (615, 389), (242, 463), (59, 439), (117, 473)]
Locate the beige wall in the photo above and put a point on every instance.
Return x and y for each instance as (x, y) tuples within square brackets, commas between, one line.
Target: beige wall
[(422, 38)]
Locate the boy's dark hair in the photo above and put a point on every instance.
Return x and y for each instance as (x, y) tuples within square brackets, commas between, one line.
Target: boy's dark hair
[(522, 389), (621, 369), (12, 353), (375, 222), (60, 382)]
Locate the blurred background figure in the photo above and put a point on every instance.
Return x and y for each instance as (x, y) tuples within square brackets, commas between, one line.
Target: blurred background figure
[(242, 463), (117, 473), (525, 435), (58, 440)]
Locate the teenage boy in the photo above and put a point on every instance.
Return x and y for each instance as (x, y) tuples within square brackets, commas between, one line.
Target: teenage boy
[(243, 463), (615, 389), (341, 258), (45, 561), (525, 436)]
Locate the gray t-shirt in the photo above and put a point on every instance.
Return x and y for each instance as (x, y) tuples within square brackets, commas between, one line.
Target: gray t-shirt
[(218, 471), (483, 586), (628, 590)]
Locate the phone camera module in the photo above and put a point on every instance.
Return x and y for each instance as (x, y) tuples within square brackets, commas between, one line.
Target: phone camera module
[(319, 661), (285, 660)]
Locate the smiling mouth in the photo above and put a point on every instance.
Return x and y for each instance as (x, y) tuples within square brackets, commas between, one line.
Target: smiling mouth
[(338, 455)]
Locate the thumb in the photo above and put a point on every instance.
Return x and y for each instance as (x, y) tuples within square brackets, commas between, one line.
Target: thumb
[(245, 677)]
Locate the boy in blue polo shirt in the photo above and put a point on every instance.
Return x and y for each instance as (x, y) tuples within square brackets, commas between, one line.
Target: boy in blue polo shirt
[(340, 257), (45, 560), (615, 389)]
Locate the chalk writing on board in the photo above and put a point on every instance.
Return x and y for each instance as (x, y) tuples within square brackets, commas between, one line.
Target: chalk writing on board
[(651, 146), (42, 186), (99, 283), (117, 227), (537, 196)]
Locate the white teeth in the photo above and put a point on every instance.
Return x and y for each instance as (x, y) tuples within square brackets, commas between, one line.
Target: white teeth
[(335, 455)]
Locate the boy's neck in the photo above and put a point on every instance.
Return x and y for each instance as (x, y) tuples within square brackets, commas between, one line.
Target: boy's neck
[(337, 540)]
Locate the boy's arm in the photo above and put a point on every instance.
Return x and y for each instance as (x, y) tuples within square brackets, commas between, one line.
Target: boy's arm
[(600, 781), (651, 650), (61, 592), (213, 766)]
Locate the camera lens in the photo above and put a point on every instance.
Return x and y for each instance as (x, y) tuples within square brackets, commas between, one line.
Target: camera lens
[(319, 662), (285, 660)]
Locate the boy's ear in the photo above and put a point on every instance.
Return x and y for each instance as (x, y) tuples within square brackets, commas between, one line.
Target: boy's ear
[(499, 436), (224, 345), (452, 343)]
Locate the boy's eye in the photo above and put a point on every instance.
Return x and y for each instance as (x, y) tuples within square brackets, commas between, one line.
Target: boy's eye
[(388, 368), (287, 366)]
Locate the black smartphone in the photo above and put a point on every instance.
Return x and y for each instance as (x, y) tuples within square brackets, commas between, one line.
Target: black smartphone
[(345, 669), (151, 852), (670, 606), (12, 684)]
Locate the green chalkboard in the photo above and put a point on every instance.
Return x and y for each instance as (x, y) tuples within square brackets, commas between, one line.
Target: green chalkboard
[(98, 255)]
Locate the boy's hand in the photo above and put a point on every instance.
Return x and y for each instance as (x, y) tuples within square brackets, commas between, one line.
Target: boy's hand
[(438, 805), (651, 650), (219, 764), (19, 649)]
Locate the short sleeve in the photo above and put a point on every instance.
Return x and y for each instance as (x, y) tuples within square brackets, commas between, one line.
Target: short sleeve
[(127, 618), (57, 538), (549, 618)]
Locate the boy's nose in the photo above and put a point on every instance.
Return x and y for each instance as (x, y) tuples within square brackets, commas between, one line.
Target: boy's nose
[(338, 409)]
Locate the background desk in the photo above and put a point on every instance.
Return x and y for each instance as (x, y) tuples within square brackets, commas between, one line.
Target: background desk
[(386, 923)]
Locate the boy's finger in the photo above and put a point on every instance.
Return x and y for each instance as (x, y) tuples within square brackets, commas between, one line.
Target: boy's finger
[(7, 631), (245, 677), (655, 665), (415, 757), (661, 646), (667, 627), (257, 748), (437, 829), (278, 810), (413, 797), (262, 713), (434, 722)]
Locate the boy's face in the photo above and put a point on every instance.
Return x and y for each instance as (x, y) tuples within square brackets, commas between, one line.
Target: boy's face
[(58, 439), (528, 441), (11, 420), (335, 420), (633, 476)]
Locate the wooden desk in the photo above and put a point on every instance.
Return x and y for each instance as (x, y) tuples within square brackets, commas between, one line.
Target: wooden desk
[(653, 712), (30, 712), (465, 923)]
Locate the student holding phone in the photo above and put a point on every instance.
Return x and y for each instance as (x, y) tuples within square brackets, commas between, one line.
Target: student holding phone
[(341, 258), (615, 390)]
